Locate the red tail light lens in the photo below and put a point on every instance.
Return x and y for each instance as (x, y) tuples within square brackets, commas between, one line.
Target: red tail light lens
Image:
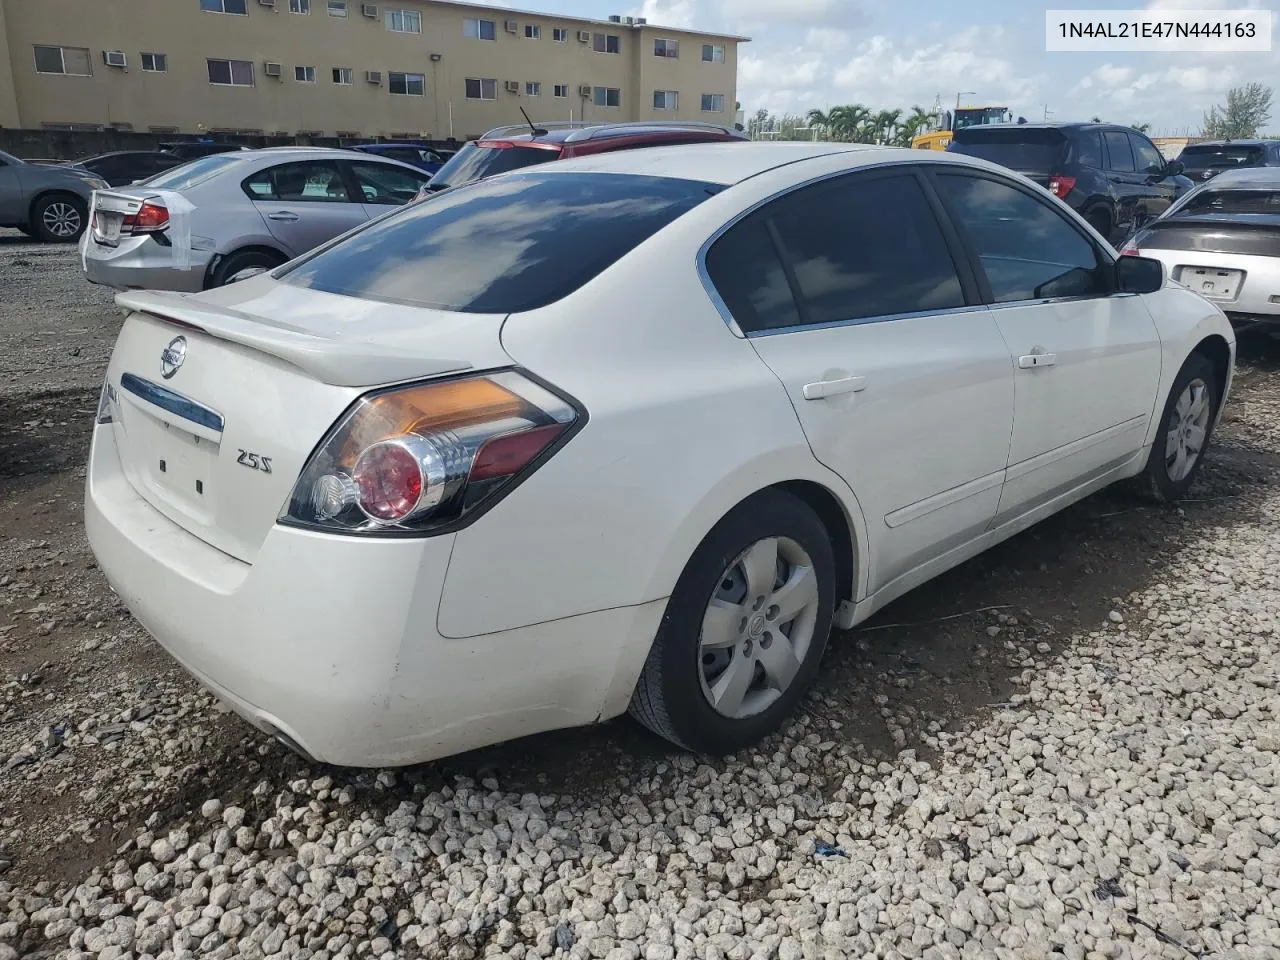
[(1130, 251), (412, 459), (1061, 186), (150, 218)]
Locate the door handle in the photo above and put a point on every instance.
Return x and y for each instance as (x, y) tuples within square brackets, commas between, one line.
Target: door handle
[(282, 215), (1033, 361), (831, 388)]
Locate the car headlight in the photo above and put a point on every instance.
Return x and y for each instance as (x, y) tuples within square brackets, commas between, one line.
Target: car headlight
[(96, 183)]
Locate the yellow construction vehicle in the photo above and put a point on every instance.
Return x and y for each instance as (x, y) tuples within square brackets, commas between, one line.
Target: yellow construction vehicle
[(939, 138)]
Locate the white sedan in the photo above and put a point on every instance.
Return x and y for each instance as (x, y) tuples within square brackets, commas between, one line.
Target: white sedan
[(631, 431)]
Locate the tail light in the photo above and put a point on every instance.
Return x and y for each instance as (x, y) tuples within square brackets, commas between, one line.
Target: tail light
[(150, 218), (1061, 186), (1130, 251), (415, 458)]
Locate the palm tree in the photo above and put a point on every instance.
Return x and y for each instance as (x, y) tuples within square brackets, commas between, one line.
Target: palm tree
[(820, 120), (847, 122), (885, 125)]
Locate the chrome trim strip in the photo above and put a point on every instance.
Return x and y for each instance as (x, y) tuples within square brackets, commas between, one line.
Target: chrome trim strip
[(175, 403), (859, 321)]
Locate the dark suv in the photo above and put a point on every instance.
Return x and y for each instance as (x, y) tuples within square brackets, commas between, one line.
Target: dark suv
[(1203, 161), (1113, 176), (510, 148)]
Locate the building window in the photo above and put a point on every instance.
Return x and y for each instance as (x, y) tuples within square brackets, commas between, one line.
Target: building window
[(481, 89), (532, 88), (560, 34), (304, 74), (342, 76), (338, 8), (407, 84), (713, 103), (562, 91), (668, 49), (606, 43), (72, 61), (231, 73), (480, 29), (666, 100), (712, 53), (154, 63), (532, 31), (225, 6), (608, 97), (404, 21), (299, 6)]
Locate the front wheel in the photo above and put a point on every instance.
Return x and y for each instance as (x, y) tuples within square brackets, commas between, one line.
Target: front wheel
[(744, 630), (1183, 435), (60, 218)]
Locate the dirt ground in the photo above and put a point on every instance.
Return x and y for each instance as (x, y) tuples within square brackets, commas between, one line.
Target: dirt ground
[(102, 736)]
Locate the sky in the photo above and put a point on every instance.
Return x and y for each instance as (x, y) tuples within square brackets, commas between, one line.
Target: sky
[(898, 53)]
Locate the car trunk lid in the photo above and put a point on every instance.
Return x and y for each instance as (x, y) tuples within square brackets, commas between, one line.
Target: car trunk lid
[(217, 402), (110, 208)]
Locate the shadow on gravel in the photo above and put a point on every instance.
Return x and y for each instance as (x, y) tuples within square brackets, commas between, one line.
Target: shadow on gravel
[(45, 434)]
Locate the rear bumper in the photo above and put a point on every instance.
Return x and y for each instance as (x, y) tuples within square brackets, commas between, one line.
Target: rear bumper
[(140, 263), (331, 641), (1258, 294)]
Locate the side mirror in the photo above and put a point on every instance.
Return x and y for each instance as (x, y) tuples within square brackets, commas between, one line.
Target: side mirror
[(1139, 275), (1174, 168)]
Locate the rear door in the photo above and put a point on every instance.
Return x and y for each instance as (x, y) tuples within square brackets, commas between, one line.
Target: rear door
[(851, 294), (1126, 182), (383, 185), (304, 202)]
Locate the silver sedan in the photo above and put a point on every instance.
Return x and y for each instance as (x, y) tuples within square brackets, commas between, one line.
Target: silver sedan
[(226, 217)]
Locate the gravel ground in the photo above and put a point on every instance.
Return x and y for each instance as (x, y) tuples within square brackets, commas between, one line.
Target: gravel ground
[(1068, 746)]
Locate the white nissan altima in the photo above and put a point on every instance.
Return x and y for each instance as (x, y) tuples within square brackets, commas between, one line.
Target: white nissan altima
[(631, 431)]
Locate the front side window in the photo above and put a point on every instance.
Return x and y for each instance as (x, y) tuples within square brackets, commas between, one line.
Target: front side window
[(562, 90), (72, 61), (383, 183), (606, 43), (404, 21), (304, 74), (608, 96), (310, 181), (713, 103), (338, 8), (712, 53), (848, 263), (533, 88), (480, 29), (501, 246), (231, 73), (532, 31), (225, 6), (559, 34), (482, 88), (667, 49), (1028, 250), (299, 6), (666, 100), (1119, 153), (154, 63), (1147, 158), (407, 84), (343, 76)]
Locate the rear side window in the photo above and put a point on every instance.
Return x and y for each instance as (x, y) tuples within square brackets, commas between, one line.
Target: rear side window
[(1119, 153), (1032, 151), (1027, 248), (476, 163), (847, 260), (501, 246)]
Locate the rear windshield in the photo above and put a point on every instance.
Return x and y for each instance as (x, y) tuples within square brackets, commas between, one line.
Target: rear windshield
[(1233, 201), (1221, 157), (194, 172), (1035, 151), (501, 246), (476, 163)]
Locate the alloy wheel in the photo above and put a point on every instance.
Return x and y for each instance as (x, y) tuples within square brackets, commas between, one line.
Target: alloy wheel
[(1187, 429), (61, 219)]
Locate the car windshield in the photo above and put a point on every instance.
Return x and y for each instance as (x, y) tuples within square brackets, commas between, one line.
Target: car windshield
[(1221, 157), (501, 246), (473, 162), (1233, 201), (1028, 151), (194, 172)]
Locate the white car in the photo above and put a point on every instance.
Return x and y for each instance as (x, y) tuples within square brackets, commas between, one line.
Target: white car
[(632, 430)]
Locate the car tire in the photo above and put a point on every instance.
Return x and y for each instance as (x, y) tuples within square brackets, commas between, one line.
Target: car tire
[(753, 657), (59, 218), (242, 265), (1100, 219), (1184, 432)]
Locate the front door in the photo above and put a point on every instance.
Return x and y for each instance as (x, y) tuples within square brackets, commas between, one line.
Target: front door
[(1159, 187), (851, 294), (12, 198), (1086, 359), (305, 203)]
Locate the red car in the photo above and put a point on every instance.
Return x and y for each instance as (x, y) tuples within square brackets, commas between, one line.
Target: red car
[(504, 149)]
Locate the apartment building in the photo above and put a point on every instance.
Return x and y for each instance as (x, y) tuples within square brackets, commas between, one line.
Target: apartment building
[(391, 68)]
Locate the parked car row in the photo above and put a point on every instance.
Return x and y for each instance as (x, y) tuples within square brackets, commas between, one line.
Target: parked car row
[(397, 498)]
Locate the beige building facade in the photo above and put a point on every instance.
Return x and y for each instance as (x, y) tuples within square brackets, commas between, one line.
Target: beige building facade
[(417, 68)]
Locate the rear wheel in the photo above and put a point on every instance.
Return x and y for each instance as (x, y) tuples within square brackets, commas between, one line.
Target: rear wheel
[(744, 630), (59, 218), (243, 265), (1183, 435)]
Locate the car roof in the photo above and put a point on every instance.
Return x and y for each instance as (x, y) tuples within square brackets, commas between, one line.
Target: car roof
[(125, 153), (577, 132), (385, 146), (730, 163)]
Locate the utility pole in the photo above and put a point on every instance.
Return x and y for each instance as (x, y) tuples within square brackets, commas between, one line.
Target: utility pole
[(1047, 111), (965, 93)]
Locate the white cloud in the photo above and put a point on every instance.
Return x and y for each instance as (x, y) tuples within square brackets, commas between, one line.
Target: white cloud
[(796, 11), (670, 13)]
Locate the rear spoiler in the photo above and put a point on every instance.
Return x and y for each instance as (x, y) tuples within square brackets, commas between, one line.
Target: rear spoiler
[(342, 363)]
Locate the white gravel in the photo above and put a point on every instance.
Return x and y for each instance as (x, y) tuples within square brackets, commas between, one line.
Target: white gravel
[(1122, 803)]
